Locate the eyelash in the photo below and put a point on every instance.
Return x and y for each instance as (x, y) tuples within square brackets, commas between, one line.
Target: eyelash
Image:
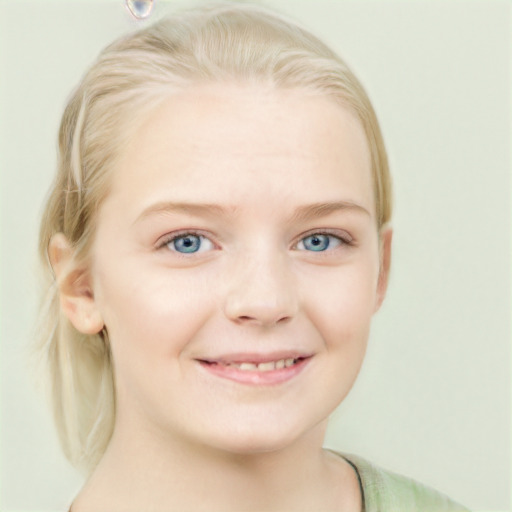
[(168, 239), (344, 239)]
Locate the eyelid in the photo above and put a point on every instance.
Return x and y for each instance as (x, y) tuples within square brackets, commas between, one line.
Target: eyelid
[(342, 235), (169, 237)]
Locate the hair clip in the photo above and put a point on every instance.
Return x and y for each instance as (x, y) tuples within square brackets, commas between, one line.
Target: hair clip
[(140, 9)]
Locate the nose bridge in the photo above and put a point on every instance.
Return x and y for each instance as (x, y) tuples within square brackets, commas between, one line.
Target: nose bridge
[(262, 288)]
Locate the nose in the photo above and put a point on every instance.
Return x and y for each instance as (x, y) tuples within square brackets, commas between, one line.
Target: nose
[(261, 291)]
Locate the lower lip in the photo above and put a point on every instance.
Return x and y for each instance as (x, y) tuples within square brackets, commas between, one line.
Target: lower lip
[(256, 378)]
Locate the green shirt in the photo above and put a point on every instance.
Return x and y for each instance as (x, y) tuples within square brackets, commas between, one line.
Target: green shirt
[(384, 491)]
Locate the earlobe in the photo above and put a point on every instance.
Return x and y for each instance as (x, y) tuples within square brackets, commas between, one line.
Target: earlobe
[(385, 265), (75, 287)]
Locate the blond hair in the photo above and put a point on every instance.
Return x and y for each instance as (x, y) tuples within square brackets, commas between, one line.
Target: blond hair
[(223, 42)]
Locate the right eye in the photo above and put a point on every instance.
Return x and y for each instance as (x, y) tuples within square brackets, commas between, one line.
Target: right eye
[(188, 243)]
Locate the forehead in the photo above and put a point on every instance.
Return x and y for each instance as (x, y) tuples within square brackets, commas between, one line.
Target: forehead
[(227, 141)]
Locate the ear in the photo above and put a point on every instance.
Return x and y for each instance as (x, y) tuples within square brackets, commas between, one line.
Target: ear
[(385, 264), (75, 287)]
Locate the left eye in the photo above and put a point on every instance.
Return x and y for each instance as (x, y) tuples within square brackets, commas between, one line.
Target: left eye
[(318, 242), (189, 243)]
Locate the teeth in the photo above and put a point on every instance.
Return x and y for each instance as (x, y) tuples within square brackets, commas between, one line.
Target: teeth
[(279, 364), (247, 366), (267, 367), (264, 367)]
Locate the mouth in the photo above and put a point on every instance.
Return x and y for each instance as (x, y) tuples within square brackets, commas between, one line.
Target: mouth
[(256, 370)]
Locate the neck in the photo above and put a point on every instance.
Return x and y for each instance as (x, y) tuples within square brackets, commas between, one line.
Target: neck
[(160, 476)]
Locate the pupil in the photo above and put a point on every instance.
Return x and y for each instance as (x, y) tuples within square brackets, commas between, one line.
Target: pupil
[(316, 242), (187, 244)]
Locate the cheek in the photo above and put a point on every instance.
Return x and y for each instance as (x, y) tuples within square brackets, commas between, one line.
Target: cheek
[(152, 318), (151, 314), (341, 305)]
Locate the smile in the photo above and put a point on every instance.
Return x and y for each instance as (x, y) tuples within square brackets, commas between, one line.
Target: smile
[(264, 367), (257, 372)]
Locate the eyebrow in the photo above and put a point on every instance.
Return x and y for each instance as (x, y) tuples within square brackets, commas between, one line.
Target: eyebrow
[(302, 213), (198, 209), (312, 211)]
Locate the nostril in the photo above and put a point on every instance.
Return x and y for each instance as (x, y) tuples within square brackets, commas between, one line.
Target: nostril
[(278, 320)]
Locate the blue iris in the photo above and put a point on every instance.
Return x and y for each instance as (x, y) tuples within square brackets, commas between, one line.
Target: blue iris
[(316, 242), (187, 243)]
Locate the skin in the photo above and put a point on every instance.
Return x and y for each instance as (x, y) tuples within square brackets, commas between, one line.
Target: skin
[(186, 438)]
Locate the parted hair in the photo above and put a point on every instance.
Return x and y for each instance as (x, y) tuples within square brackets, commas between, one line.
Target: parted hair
[(221, 42)]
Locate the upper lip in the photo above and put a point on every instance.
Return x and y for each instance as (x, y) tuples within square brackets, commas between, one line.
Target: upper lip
[(256, 358)]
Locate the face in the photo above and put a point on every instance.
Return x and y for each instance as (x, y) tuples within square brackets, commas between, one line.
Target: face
[(236, 266)]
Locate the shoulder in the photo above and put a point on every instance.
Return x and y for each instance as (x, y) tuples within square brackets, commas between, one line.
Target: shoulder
[(385, 491)]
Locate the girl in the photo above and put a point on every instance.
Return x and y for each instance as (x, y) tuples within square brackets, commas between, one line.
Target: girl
[(219, 238)]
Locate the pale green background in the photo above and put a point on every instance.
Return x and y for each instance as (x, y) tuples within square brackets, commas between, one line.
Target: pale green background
[(433, 400)]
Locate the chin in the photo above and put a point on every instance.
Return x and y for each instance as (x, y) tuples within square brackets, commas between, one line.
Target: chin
[(255, 446), (258, 439)]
